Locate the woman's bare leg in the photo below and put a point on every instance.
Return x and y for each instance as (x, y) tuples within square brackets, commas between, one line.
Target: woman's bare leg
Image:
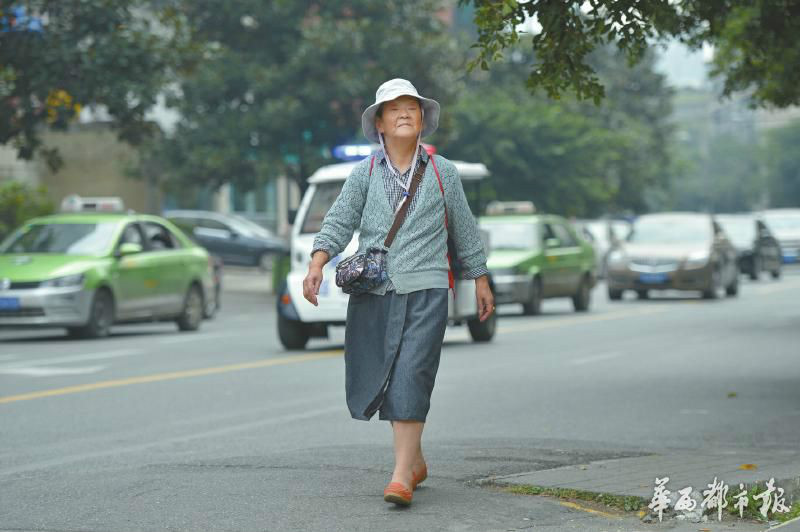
[(407, 451)]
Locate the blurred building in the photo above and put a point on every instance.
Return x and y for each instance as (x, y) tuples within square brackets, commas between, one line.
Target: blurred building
[(95, 163)]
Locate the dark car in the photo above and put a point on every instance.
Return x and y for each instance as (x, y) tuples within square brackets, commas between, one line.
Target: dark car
[(756, 248), (235, 239), (681, 251)]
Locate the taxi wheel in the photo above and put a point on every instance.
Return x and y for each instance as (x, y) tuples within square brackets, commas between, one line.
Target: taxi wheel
[(755, 268), (192, 313), (583, 298), (210, 310), (534, 305), (482, 331), (733, 288), (712, 292), (776, 274), (292, 333), (101, 317), (614, 294)]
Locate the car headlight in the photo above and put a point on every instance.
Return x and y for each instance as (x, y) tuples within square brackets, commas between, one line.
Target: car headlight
[(617, 258), (697, 259), (62, 282)]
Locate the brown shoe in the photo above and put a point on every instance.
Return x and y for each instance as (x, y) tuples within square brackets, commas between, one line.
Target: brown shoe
[(397, 493)]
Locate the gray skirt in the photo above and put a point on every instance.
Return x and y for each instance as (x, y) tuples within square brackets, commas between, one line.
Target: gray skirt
[(392, 348)]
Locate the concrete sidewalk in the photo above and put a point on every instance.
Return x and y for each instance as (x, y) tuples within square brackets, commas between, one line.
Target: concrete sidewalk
[(636, 476)]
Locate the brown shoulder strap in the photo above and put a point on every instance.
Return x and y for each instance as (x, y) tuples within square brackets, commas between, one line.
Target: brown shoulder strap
[(401, 214)]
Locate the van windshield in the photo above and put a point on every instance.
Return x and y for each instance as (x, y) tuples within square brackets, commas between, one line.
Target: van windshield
[(322, 200)]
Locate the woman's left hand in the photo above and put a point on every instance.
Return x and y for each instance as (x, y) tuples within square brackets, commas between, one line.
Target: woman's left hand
[(484, 296)]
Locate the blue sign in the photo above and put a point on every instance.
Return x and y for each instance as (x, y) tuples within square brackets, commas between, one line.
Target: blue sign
[(352, 152)]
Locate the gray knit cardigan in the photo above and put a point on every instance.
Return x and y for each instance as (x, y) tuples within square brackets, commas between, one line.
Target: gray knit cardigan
[(417, 259)]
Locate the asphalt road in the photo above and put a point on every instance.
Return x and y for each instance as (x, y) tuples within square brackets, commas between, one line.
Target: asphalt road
[(154, 430)]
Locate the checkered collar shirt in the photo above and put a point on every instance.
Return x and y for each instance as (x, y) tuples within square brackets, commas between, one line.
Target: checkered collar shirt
[(391, 182)]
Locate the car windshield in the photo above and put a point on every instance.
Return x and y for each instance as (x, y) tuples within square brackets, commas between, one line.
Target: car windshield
[(670, 231), (510, 235), (783, 222), (742, 231), (66, 238), (324, 196)]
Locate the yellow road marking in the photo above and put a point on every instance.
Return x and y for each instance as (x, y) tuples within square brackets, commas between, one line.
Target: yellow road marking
[(577, 506), (172, 375)]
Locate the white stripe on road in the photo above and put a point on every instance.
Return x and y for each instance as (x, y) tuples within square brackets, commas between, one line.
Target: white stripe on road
[(594, 358), (73, 358), (8, 357), (29, 371), (185, 338), (115, 451)]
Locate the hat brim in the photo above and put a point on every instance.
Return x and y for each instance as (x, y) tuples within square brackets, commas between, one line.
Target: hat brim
[(430, 121)]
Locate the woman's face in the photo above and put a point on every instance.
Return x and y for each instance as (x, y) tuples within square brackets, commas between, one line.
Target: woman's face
[(400, 118)]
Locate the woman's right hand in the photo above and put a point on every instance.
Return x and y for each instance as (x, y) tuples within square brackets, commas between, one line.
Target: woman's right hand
[(312, 283)]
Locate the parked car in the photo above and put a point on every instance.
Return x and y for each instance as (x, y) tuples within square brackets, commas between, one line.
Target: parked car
[(601, 234), (757, 249), (233, 238), (299, 320), (785, 225), (87, 271), (535, 256), (682, 251), (217, 267)]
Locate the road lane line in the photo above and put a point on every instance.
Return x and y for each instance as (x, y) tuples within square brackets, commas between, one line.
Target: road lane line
[(50, 371), (8, 357), (224, 431), (595, 358), (73, 358), (168, 376), (184, 338)]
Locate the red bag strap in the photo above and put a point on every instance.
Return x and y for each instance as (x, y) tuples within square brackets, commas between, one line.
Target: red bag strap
[(441, 188), (372, 163), (450, 278)]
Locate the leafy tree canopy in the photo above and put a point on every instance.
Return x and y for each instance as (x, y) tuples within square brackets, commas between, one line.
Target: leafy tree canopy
[(568, 157), (782, 160), (59, 56), (755, 40), (282, 82)]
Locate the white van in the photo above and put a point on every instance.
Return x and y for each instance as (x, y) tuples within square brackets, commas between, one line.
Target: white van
[(299, 320)]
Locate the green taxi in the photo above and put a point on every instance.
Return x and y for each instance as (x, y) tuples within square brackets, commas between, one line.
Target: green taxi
[(87, 271), (537, 256)]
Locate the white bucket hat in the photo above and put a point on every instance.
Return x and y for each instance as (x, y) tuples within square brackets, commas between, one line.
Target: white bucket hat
[(390, 90)]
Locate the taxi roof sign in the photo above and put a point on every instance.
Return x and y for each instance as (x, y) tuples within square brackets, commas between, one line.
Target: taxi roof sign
[(495, 208), (76, 203)]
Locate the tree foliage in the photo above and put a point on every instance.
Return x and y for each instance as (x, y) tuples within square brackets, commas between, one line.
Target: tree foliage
[(725, 176), (60, 56), (19, 202), (755, 40), (281, 83), (782, 159), (567, 156)]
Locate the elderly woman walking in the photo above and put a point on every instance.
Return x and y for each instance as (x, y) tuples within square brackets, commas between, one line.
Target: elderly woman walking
[(394, 332)]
